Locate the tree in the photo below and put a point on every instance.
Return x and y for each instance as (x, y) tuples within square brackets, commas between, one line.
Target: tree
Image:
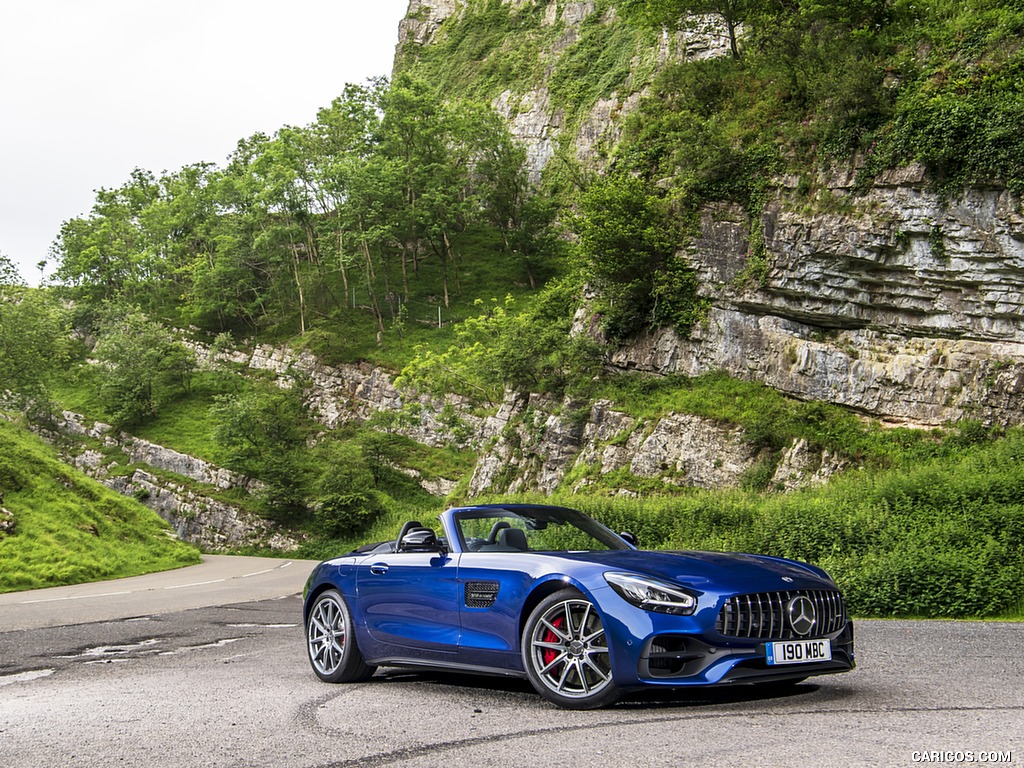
[(181, 225), (346, 137), (502, 348), (344, 501), (105, 254), (263, 434), (140, 363), (34, 342), (676, 14), (9, 275), (627, 244), (431, 143)]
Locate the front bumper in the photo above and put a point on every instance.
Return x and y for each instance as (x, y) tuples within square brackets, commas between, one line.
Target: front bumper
[(650, 649), (676, 659)]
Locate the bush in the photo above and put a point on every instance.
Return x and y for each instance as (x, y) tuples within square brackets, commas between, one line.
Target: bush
[(344, 501), (627, 246)]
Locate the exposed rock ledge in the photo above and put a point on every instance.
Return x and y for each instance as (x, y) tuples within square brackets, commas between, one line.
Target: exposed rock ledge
[(533, 442), (920, 381), (351, 392), (539, 443), (197, 518)]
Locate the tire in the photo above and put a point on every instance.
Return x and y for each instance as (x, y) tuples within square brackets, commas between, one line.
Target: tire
[(331, 642), (565, 653)]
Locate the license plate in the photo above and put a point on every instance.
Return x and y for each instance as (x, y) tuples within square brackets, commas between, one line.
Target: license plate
[(799, 652)]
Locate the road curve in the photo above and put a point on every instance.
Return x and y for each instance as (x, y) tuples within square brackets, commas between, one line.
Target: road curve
[(218, 580)]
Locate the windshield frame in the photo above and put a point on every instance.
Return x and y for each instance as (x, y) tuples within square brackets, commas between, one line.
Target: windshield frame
[(536, 513)]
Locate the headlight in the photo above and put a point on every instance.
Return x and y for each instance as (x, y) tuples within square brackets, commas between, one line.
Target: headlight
[(652, 594)]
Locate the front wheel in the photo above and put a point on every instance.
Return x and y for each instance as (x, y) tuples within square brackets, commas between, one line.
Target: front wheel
[(331, 643), (565, 652)]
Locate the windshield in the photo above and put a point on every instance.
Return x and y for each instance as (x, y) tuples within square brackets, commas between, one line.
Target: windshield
[(532, 529)]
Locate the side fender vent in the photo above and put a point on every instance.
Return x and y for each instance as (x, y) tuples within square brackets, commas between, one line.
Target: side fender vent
[(481, 594)]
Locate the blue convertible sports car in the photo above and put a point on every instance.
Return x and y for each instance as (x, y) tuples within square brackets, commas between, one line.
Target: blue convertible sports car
[(549, 594)]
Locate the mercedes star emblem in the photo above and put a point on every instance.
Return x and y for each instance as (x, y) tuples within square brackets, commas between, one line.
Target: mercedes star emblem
[(802, 615)]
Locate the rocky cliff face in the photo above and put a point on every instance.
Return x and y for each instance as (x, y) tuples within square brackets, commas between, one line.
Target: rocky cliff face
[(893, 302), (897, 304), (535, 443), (536, 120), (353, 393)]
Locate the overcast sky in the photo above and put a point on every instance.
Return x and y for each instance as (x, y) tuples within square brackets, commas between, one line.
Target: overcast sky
[(90, 89)]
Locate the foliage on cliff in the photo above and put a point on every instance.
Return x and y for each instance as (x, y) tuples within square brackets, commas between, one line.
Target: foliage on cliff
[(822, 82), (804, 85), (34, 343)]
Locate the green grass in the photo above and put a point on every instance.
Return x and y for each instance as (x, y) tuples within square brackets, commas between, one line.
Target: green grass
[(480, 270), (69, 529), (182, 422)]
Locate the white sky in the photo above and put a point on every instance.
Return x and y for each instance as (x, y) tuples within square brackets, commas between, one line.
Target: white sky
[(90, 89)]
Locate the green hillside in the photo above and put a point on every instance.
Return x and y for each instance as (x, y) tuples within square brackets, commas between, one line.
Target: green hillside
[(59, 527)]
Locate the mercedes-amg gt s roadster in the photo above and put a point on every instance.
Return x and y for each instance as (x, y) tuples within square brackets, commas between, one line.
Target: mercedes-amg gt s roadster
[(549, 594)]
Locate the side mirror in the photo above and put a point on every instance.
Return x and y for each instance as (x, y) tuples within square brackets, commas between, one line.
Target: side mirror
[(629, 538), (420, 540)]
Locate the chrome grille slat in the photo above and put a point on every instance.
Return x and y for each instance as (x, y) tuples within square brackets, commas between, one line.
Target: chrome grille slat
[(762, 615)]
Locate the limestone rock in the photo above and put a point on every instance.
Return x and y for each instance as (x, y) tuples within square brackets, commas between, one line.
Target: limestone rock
[(540, 442), (902, 306), (693, 451), (423, 19), (211, 524), (800, 467)]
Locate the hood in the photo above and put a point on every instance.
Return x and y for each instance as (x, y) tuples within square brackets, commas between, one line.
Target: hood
[(715, 571)]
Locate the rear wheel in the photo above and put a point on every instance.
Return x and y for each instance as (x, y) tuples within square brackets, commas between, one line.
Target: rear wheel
[(565, 652), (331, 643)]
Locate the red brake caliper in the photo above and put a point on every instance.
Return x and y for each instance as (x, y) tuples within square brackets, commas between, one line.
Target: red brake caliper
[(550, 654)]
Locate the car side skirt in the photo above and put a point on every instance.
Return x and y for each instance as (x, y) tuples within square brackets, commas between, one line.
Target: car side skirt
[(447, 666)]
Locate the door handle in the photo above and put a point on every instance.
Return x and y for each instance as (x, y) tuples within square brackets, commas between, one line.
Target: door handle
[(378, 569)]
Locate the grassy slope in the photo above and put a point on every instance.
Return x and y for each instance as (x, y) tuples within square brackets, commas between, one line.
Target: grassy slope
[(69, 528)]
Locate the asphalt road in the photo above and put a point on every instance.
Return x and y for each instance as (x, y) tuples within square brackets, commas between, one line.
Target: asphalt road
[(227, 684)]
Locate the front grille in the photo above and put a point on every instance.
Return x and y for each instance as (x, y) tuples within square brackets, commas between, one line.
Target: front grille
[(765, 615)]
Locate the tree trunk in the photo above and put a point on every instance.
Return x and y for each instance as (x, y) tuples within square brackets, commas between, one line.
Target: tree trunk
[(733, 47), (341, 265), (373, 294), (298, 286)]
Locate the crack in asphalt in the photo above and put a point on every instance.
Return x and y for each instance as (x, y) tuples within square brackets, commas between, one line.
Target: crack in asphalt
[(409, 753)]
